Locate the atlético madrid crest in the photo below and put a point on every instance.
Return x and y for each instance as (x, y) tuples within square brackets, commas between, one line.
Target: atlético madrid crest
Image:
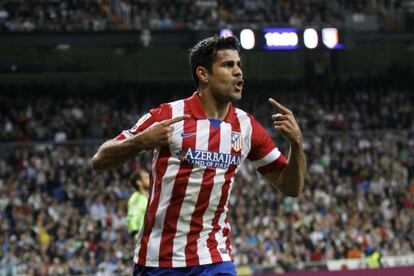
[(236, 141)]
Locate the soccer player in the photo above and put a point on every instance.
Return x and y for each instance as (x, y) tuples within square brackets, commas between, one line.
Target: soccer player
[(137, 203), (198, 144)]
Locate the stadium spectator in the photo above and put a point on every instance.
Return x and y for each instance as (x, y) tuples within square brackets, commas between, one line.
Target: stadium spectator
[(69, 15), (79, 116), (8, 264), (359, 189), (390, 232), (137, 203)]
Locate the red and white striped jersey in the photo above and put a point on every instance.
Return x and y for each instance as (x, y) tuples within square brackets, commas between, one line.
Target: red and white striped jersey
[(190, 183)]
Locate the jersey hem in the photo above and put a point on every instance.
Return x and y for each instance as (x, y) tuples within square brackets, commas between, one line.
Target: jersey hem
[(182, 263)]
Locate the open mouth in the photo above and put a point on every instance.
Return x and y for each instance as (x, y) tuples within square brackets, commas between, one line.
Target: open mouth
[(239, 85)]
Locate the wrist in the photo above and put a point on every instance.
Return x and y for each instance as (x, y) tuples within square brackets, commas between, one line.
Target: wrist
[(137, 143), (297, 142)]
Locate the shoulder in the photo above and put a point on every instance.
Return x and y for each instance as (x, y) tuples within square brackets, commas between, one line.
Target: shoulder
[(246, 117), (241, 114), (166, 110), (133, 198)]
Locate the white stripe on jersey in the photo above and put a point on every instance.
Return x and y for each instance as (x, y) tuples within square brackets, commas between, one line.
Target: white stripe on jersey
[(246, 131), (154, 174), (127, 134), (222, 241), (141, 232), (202, 248), (268, 158), (225, 145), (173, 166), (177, 244), (191, 196)]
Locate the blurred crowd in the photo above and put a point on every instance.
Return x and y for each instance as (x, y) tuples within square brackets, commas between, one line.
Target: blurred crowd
[(28, 116), (61, 218), (53, 16), (58, 217), (203, 14), (96, 15), (358, 199)]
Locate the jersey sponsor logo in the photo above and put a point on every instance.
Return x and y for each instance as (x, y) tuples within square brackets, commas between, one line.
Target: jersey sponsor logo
[(185, 135), (204, 159), (236, 141), (140, 122)]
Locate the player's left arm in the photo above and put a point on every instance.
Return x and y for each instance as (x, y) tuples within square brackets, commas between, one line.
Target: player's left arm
[(289, 179)]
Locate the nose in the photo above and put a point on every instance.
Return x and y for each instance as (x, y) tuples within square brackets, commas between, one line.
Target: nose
[(237, 72)]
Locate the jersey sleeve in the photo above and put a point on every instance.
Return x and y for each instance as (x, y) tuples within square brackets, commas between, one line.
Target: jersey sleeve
[(158, 114), (263, 153)]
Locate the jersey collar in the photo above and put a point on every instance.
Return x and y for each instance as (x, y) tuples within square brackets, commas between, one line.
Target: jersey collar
[(198, 112)]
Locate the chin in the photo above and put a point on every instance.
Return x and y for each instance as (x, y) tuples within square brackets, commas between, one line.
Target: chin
[(236, 99), (236, 96)]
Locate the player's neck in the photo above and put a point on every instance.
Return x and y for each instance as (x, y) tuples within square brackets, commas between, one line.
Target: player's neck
[(214, 109)]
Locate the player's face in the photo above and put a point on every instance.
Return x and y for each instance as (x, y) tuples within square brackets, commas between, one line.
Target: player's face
[(144, 182), (226, 79)]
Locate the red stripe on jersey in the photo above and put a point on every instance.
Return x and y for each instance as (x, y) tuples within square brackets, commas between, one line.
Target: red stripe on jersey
[(261, 143), (203, 201), (227, 234), (278, 163), (152, 118), (228, 177), (178, 194), (120, 137), (160, 164), (211, 241)]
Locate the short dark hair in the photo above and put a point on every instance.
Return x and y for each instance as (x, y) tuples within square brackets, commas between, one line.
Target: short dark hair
[(133, 178), (204, 52)]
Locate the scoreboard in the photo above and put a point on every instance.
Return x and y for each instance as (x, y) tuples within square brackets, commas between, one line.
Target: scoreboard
[(287, 38)]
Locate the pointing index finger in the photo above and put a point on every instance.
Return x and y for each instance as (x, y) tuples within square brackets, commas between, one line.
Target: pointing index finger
[(177, 119), (282, 109)]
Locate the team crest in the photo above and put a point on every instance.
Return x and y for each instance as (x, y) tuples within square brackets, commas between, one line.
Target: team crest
[(236, 141)]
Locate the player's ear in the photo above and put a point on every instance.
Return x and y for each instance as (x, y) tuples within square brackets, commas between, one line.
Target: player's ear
[(202, 74)]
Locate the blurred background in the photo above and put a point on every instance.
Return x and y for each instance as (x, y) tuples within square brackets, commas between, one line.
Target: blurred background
[(74, 73)]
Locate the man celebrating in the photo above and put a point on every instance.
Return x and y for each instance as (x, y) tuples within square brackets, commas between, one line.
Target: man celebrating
[(198, 145)]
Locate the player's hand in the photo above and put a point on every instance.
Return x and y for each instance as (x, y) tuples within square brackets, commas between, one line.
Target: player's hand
[(285, 122), (160, 133)]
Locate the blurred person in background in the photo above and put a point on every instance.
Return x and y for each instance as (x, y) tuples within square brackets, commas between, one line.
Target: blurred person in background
[(198, 144), (9, 263), (137, 203)]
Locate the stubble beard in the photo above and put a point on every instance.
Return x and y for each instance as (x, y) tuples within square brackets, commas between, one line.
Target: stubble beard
[(233, 96)]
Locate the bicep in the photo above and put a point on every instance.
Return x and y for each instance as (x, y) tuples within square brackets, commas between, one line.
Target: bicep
[(264, 153)]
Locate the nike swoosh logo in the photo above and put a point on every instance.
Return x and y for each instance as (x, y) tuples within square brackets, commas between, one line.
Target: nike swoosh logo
[(186, 135)]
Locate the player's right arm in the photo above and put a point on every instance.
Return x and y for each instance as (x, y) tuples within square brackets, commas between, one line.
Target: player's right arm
[(115, 152)]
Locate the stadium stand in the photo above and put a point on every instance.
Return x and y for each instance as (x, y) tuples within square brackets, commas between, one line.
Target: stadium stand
[(99, 15), (60, 217), (354, 106), (54, 16)]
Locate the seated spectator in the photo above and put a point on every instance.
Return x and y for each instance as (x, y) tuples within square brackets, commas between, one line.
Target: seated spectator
[(58, 215), (69, 16)]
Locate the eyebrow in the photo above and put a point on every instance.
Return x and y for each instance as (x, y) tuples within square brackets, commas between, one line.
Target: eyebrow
[(231, 61)]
